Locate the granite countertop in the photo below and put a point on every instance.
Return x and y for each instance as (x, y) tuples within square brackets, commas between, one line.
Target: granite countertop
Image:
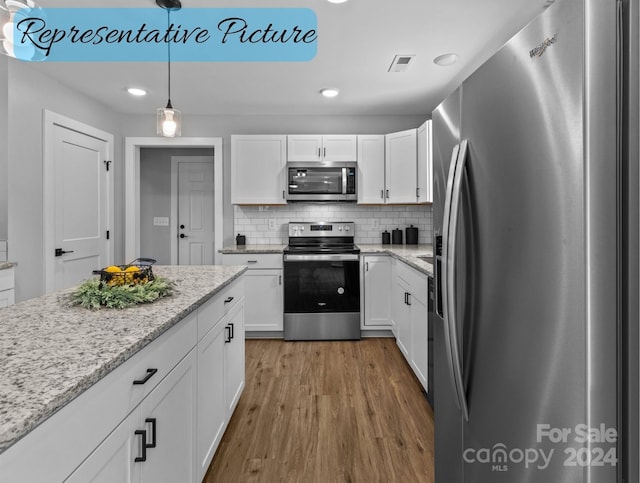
[(240, 249), (6, 265), (406, 253), (51, 352)]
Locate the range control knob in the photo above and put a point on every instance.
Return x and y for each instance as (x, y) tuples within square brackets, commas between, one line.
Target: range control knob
[(347, 228), (339, 228)]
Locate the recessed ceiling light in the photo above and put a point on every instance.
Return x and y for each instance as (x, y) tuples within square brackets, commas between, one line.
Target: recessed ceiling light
[(337, 1), (445, 60), (329, 92), (134, 91)]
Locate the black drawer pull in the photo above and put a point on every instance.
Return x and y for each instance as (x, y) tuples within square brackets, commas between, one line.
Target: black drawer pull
[(143, 446), (230, 299), (153, 432), (150, 373), (227, 334), (232, 332)]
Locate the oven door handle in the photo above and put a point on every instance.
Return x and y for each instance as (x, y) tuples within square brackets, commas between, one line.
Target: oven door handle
[(322, 258)]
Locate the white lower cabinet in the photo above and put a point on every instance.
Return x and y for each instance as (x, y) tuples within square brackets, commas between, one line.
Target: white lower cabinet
[(234, 358), (376, 298), (263, 290), (7, 292), (402, 315), (156, 441)]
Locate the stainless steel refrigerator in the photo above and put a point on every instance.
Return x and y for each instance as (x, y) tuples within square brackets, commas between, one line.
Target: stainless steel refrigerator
[(527, 275)]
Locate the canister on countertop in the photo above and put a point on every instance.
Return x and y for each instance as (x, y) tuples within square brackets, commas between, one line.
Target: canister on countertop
[(241, 240), (396, 237), (411, 235), (386, 238)]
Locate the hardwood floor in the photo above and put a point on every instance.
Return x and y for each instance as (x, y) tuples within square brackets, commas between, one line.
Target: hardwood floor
[(347, 411)]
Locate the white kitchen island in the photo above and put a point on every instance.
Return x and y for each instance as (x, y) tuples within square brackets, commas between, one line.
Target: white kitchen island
[(83, 393)]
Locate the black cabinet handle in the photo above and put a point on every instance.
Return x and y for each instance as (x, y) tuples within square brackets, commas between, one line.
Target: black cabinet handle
[(143, 433), (408, 299), (150, 373), (230, 299), (153, 432), (405, 298), (232, 330), (227, 330)]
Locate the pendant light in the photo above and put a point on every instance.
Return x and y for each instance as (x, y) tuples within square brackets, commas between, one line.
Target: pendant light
[(11, 12), (169, 119)]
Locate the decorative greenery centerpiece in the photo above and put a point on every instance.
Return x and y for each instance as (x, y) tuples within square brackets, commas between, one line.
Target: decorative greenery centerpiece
[(121, 288)]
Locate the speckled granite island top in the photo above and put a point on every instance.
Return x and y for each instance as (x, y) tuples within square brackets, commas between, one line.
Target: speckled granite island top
[(51, 352), (7, 265), (241, 249)]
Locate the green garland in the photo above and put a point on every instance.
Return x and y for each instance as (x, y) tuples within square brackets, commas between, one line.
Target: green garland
[(94, 294)]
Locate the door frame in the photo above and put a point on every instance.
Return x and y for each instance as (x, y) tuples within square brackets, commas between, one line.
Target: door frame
[(173, 229), (50, 121), (132, 186)]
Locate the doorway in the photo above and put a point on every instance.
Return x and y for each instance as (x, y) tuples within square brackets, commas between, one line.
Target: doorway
[(133, 147)]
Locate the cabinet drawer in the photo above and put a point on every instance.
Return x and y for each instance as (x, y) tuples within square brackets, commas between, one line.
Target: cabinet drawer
[(417, 281), (254, 261), (6, 279), (214, 309)]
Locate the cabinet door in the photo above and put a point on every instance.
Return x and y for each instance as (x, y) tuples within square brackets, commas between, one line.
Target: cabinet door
[(258, 169), (304, 147), (401, 167), (7, 297), (419, 349), (263, 300), (377, 291), (425, 164), (402, 317), (234, 357), (371, 169), (113, 460), (212, 411), (168, 414), (339, 147)]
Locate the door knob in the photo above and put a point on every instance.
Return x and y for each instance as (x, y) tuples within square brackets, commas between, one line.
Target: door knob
[(182, 235)]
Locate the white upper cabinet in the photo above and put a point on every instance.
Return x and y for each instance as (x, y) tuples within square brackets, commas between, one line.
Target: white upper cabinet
[(401, 167), (425, 164), (371, 169), (258, 169), (327, 148)]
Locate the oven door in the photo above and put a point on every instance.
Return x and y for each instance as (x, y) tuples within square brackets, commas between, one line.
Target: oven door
[(321, 283)]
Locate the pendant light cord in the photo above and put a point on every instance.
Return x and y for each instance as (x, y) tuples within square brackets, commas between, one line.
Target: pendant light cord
[(169, 61)]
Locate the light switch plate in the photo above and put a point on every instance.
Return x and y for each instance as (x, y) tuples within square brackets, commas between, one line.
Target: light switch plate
[(272, 224), (160, 221)]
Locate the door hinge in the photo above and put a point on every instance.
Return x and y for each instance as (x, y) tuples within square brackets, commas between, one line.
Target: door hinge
[(108, 234), (107, 163)]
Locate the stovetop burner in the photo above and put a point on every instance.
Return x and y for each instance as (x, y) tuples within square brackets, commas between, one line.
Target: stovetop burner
[(322, 237)]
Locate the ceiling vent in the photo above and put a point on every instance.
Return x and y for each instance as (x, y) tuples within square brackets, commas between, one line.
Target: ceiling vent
[(401, 63)]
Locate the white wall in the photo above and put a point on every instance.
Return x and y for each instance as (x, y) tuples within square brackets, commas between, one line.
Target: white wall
[(30, 92), (4, 150)]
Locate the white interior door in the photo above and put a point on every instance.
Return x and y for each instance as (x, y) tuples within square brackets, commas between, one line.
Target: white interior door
[(81, 206), (195, 210)]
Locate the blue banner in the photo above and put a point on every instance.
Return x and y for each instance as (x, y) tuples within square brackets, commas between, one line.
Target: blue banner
[(147, 34)]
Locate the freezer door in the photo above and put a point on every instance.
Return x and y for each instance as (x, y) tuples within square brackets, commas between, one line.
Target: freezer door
[(526, 304)]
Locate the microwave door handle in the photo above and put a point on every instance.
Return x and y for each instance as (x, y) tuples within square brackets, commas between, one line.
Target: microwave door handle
[(344, 181)]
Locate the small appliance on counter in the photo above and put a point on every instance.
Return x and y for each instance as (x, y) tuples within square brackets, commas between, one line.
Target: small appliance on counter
[(396, 237), (386, 238), (411, 233), (241, 240)]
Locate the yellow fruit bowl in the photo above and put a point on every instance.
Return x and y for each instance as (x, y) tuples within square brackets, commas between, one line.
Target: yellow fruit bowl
[(134, 273)]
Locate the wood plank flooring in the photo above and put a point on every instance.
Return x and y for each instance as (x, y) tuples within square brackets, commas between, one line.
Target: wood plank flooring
[(343, 411)]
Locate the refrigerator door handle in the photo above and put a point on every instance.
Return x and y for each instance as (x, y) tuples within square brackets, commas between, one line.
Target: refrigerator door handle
[(452, 206)]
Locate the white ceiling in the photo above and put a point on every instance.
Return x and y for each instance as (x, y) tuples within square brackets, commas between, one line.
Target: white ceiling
[(357, 41)]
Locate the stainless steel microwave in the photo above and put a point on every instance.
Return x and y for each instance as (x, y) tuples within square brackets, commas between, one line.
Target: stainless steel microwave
[(322, 181)]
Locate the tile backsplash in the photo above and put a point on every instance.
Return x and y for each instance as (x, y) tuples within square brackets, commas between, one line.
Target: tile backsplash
[(268, 224)]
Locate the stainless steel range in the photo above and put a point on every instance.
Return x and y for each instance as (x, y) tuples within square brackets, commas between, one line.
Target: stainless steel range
[(321, 282)]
